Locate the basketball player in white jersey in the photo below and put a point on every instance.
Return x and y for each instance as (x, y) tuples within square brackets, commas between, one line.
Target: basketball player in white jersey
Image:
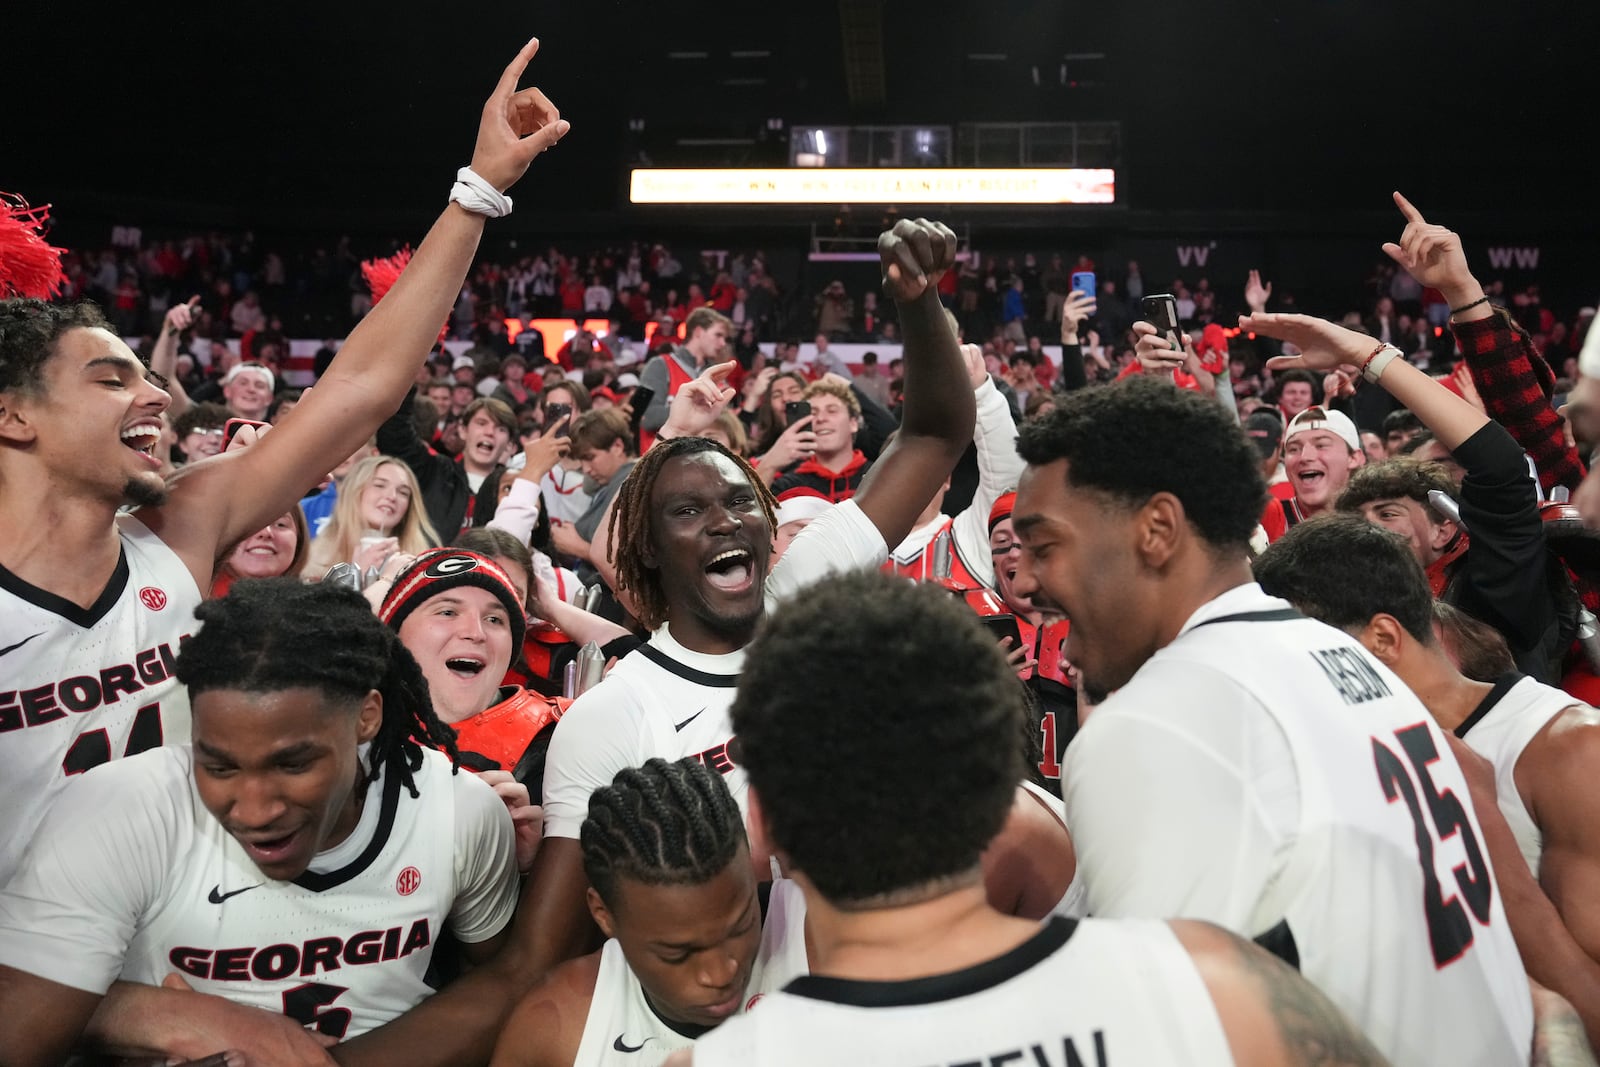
[(692, 536), (879, 784), (303, 856), (1353, 574), (692, 942), (1253, 767), (93, 604)]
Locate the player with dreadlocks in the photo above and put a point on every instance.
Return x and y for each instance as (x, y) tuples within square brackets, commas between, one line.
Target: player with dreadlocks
[(672, 886), (704, 566), (274, 863)]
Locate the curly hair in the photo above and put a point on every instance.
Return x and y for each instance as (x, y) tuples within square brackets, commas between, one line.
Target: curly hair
[(29, 330), (1143, 436), (660, 824), (1343, 570), (632, 529), (272, 634), (1400, 478), (889, 770)]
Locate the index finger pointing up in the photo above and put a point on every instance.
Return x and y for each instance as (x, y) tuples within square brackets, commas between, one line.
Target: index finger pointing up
[(1409, 210), (513, 71)]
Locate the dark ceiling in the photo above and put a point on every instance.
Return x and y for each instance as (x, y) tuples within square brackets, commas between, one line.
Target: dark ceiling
[(357, 114)]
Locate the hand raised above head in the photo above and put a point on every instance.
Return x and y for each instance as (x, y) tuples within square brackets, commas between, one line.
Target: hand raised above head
[(516, 126), (1323, 345), (914, 255), (1431, 254)]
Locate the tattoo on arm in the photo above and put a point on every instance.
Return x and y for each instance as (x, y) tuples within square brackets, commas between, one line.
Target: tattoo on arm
[(1314, 1031)]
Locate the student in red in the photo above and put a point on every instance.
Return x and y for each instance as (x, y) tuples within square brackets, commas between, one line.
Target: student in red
[(1044, 670), (1320, 449), (836, 468), (707, 332)]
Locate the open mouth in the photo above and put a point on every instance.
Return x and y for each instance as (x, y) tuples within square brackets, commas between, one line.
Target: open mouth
[(1309, 478), (731, 571), (142, 439), (265, 851), (464, 667)]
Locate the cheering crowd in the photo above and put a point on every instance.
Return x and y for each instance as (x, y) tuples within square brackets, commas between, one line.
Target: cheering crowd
[(783, 711)]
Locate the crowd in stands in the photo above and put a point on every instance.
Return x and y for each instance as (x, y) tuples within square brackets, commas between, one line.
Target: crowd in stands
[(1237, 709)]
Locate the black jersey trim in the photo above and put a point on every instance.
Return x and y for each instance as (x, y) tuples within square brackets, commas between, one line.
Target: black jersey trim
[(692, 1031), (1280, 942), (940, 987), (1502, 686), (1268, 615), (57, 605), (667, 663), (321, 883)]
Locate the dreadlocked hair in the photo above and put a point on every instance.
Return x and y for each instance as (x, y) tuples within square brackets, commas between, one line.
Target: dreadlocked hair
[(632, 517), (272, 634), (660, 824)]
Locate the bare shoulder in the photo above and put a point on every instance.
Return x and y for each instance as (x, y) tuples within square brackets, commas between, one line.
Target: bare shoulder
[(1559, 762), (546, 1026), (1272, 1016)]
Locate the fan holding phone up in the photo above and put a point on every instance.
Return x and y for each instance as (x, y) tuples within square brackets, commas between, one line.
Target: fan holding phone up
[(1164, 348)]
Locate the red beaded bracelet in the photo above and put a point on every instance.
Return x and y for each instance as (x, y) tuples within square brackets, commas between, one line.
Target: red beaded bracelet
[(1368, 361)]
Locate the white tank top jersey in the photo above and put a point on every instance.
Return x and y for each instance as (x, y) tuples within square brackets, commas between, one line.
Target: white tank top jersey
[(1085, 994), (623, 1030), (1379, 887), (665, 700), (81, 686), (136, 880), (1498, 730)]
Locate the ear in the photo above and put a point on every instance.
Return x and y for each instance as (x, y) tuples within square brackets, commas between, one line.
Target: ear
[(1441, 534), (1384, 637), (601, 914), (14, 423), (1358, 458), (761, 845), (370, 718), (1160, 526)]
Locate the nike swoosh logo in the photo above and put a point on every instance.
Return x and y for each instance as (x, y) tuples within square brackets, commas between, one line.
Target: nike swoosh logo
[(19, 644), (621, 1047), (217, 896), (678, 727)]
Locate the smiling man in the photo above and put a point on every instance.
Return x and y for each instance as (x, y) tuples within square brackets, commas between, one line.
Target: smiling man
[(272, 865), (100, 599), (1253, 767), (1320, 449), (458, 491), (838, 465)]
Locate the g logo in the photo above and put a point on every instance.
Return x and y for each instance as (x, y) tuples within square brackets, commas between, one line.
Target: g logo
[(450, 565)]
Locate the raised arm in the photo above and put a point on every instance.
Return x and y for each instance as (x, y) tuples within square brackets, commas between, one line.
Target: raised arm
[(217, 503), (164, 356), (1512, 378), (937, 417)]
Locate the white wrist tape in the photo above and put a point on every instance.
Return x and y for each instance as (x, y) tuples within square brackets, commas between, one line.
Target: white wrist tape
[(1376, 366), (478, 196), (1589, 355)]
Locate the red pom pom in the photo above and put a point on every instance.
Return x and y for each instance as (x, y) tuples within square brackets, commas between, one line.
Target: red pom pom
[(29, 265), (381, 274)]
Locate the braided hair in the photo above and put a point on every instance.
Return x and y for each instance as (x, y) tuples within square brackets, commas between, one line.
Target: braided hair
[(273, 634), (632, 516), (660, 824)]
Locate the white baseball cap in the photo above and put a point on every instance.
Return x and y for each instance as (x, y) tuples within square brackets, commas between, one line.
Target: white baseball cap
[(1317, 417)]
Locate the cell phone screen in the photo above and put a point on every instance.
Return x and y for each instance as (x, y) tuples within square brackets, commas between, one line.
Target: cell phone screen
[(231, 428), (639, 400)]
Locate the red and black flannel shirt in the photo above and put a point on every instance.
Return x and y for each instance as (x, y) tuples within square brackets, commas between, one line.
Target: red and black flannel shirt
[(1516, 385)]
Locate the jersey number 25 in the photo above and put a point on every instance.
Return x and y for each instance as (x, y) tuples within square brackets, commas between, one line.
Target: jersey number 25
[(1449, 929)]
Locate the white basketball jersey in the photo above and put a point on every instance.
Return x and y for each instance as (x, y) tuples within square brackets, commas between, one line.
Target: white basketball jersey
[(623, 1030), (81, 686), (342, 948), (1092, 992), (1498, 730), (1385, 888)]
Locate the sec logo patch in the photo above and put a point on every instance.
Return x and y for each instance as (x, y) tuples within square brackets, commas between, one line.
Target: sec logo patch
[(407, 883), (153, 598)]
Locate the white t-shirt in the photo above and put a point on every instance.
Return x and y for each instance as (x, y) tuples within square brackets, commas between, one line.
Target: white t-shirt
[(665, 700), (565, 499), (623, 1029), (1267, 774), (1075, 993), (132, 878), (1499, 730), (79, 687), (999, 469)]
